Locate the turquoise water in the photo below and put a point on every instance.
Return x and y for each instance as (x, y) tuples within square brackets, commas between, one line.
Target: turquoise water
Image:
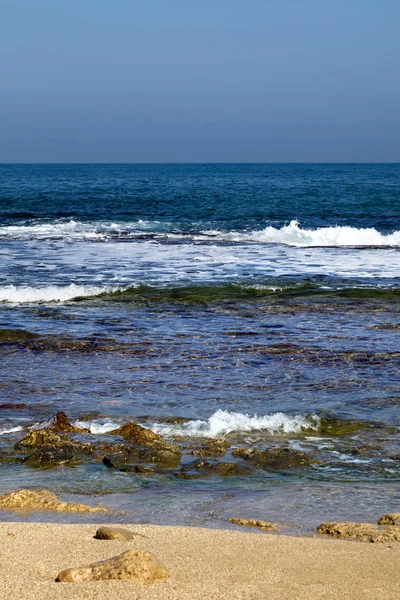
[(256, 301)]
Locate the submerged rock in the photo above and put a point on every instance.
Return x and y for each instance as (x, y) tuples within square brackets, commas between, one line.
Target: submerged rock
[(262, 525), (361, 531), (275, 459), (50, 459), (9, 406), (126, 468), (12, 336), (114, 533), (203, 468), (41, 500), (133, 565), (390, 519)]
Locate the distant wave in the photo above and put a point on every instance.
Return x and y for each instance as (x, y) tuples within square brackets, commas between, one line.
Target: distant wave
[(293, 235), (20, 295), (288, 235), (75, 230), (223, 422)]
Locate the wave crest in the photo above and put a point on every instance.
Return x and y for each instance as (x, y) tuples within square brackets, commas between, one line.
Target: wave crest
[(223, 422), (13, 294), (293, 235)]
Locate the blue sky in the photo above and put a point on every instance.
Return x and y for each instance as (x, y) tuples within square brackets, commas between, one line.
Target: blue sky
[(199, 81)]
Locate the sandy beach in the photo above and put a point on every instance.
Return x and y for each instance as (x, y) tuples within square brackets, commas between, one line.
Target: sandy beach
[(204, 564)]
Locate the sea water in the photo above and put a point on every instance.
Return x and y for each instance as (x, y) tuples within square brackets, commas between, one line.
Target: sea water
[(256, 302)]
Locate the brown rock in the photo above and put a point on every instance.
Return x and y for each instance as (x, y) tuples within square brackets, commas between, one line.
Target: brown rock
[(275, 459), (50, 459), (362, 531), (390, 519), (41, 500), (114, 533), (211, 448), (133, 565), (10, 406), (60, 422), (262, 525), (40, 438), (136, 434)]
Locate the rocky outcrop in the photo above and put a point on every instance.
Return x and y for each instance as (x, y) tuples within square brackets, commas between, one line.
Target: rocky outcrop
[(211, 448), (50, 459), (41, 500), (390, 519), (114, 533), (262, 525), (133, 565), (136, 434), (361, 531), (60, 422), (275, 459), (40, 438)]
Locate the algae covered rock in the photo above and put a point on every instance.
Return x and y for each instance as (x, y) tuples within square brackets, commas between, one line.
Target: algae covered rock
[(275, 459), (50, 459), (203, 468), (136, 434), (211, 448), (41, 438), (133, 565), (41, 500)]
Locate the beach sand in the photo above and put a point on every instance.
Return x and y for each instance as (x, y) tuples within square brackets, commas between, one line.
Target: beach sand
[(204, 564)]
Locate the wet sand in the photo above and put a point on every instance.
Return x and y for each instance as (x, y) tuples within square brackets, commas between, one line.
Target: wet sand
[(204, 564)]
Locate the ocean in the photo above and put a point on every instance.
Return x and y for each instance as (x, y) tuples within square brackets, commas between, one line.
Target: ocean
[(255, 304)]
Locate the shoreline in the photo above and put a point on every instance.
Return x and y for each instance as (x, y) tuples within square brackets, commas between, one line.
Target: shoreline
[(204, 564)]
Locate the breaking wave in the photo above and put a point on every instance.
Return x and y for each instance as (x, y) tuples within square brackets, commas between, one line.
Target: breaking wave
[(293, 235), (288, 235), (223, 422), (13, 294)]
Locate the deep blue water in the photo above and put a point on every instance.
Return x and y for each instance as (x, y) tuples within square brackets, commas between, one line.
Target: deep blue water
[(267, 292)]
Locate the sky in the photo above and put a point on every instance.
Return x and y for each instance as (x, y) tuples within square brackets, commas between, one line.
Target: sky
[(199, 81)]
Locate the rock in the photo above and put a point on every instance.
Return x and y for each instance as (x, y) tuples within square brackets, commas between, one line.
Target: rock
[(136, 434), (8, 406), (203, 468), (133, 565), (41, 500), (60, 422), (262, 525), (390, 519), (362, 531), (50, 459), (14, 336), (138, 469), (211, 448), (114, 533), (40, 438), (275, 459)]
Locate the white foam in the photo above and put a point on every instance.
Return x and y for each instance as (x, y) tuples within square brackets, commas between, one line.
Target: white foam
[(10, 430), (53, 293), (223, 422), (75, 230), (98, 427), (293, 235)]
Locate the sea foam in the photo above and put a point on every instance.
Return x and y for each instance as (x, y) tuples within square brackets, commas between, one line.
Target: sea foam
[(24, 294), (223, 422), (294, 235)]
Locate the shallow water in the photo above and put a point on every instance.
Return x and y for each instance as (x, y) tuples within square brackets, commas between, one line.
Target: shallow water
[(161, 291)]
